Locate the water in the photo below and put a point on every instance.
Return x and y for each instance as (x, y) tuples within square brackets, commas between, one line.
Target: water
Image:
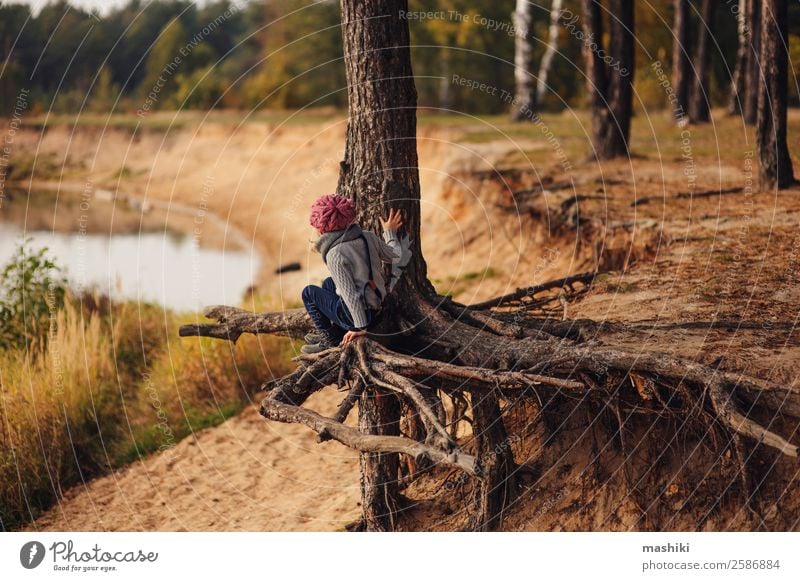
[(125, 254)]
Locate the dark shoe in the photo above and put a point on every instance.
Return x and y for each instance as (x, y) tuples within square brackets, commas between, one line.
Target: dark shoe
[(316, 336), (312, 348), (313, 337), (325, 340)]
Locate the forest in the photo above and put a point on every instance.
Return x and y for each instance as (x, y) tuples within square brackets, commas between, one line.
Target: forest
[(287, 54)]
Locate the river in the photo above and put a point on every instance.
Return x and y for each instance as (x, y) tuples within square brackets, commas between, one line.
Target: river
[(120, 247)]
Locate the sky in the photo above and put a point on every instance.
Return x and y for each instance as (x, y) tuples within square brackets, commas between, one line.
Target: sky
[(103, 6)]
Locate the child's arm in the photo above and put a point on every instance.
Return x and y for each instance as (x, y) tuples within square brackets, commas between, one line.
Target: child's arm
[(391, 250), (347, 289)]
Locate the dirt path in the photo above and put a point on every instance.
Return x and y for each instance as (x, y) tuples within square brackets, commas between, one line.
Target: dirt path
[(244, 475)]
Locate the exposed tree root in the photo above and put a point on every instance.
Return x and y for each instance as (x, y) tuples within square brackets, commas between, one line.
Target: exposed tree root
[(528, 293), (477, 358), (331, 429)]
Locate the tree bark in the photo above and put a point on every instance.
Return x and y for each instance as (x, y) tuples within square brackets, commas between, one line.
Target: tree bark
[(596, 78), (699, 102), (379, 171), (610, 86), (524, 79), (775, 165), (379, 414), (621, 75), (495, 488), (552, 44), (681, 61), (742, 53), (752, 77), (446, 84)]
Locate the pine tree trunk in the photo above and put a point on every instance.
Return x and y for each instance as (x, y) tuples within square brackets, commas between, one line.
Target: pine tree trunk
[(524, 80), (621, 74), (610, 88), (742, 53), (681, 61), (699, 102), (752, 78), (775, 165), (379, 171), (550, 51), (446, 84), (495, 488), (379, 414), (596, 80)]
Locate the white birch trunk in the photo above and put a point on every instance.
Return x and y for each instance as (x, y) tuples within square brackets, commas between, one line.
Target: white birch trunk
[(549, 53)]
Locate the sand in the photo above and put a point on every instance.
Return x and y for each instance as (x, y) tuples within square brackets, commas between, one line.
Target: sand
[(244, 475)]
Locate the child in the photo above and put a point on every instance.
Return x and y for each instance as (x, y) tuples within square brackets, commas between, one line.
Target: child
[(347, 302)]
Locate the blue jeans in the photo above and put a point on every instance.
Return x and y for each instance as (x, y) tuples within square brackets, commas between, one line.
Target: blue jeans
[(327, 309)]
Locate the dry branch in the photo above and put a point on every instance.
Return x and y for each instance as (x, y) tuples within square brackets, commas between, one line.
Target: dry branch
[(486, 351), (436, 432), (351, 437), (296, 387), (571, 358), (233, 322), (349, 401)]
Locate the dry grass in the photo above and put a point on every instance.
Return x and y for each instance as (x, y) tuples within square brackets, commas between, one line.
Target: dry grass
[(115, 383), (199, 383), (53, 407)]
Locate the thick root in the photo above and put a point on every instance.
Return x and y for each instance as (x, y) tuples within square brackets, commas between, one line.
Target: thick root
[(475, 357)]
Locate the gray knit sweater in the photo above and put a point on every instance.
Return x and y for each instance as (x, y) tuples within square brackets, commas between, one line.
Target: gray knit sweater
[(345, 254)]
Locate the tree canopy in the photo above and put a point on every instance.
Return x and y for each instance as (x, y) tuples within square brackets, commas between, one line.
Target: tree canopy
[(288, 54)]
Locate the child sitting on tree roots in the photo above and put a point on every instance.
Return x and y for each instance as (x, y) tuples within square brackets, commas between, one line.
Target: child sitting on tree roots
[(348, 300)]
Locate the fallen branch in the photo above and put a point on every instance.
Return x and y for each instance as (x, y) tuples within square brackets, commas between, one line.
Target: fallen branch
[(232, 322)]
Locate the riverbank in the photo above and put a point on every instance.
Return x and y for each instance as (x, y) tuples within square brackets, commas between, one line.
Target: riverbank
[(700, 265), (260, 174), (102, 385)]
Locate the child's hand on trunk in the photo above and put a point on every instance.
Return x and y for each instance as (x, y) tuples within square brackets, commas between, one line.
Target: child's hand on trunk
[(394, 221), (351, 336)]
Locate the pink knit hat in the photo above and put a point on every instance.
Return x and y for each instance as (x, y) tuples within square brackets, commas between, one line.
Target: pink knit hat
[(331, 212)]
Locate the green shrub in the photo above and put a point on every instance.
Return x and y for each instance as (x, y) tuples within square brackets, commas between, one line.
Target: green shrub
[(32, 290)]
